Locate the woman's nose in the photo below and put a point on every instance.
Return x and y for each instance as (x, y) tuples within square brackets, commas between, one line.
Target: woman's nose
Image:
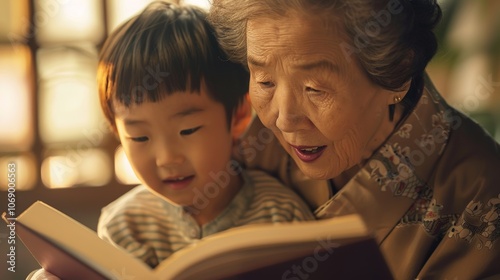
[(289, 116)]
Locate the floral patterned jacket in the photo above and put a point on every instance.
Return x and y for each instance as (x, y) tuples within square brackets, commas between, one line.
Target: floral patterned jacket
[(430, 194)]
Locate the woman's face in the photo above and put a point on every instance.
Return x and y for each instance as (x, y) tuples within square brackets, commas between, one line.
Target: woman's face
[(314, 96)]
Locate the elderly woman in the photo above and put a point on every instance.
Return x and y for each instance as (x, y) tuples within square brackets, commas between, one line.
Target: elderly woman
[(341, 84)]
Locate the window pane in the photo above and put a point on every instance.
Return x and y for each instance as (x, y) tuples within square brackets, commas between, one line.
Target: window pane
[(121, 10), (69, 103), (124, 172), (68, 21), (79, 167), (16, 127), (14, 21), (22, 168)]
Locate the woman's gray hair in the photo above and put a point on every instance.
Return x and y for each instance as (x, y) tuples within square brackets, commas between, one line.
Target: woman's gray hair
[(392, 39)]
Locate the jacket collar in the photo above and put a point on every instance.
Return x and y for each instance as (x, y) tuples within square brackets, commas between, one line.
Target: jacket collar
[(398, 172)]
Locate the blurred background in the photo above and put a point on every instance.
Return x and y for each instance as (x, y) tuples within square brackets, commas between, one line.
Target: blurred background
[(52, 128)]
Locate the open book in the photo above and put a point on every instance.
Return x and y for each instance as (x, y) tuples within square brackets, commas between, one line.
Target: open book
[(316, 249)]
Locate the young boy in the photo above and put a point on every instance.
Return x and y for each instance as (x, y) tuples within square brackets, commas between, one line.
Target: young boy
[(171, 96)]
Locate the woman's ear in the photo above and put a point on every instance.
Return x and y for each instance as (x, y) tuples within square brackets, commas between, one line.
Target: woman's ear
[(241, 118)]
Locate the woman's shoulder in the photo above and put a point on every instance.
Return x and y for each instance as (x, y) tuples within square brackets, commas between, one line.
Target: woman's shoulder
[(472, 145), (469, 168)]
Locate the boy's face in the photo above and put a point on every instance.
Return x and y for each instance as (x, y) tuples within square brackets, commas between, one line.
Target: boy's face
[(178, 146)]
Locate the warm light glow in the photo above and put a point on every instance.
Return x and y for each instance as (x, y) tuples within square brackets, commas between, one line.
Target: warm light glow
[(25, 172), (16, 132), (69, 21), (14, 21), (77, 167), (472, 91), (59, 172), (95, 169), (205, 4), (121, 10), (69, 103), (123, 170)]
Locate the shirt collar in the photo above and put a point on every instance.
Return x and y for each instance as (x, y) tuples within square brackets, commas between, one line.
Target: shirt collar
[(226, 219)]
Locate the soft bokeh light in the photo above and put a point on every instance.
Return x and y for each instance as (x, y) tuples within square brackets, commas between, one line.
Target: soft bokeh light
[(68, 21), (78, 167), (58, 172), (14, 21), (471, 91), (69, 102), (16, 125), (121, 10), (95, 169), (205, 4), (123, 170), (25, 167)]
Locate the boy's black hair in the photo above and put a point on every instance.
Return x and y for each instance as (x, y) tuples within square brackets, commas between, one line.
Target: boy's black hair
[(167, 48)]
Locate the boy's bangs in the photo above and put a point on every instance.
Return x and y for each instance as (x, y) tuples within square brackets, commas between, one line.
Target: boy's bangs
[(152, 82), (161, 58)]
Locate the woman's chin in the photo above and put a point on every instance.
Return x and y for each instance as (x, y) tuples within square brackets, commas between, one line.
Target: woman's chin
[(315, 171)]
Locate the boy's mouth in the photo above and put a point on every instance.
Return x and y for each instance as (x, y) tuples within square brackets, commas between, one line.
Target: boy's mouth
[(178, 183)]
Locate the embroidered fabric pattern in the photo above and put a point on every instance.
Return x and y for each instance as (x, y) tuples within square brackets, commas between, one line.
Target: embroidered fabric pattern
[(427, 212), (393, 170), (479, 223), (395, 167)]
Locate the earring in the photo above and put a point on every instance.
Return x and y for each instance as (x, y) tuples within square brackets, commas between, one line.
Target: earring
[(392, 107), (391, 112)]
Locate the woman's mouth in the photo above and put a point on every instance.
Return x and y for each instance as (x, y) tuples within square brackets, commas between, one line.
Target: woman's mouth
[(308, 153)]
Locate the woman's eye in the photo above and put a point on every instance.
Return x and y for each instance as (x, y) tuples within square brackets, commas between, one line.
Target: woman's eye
[(266, 84), (189, 131), (139, 139), (310, 89)]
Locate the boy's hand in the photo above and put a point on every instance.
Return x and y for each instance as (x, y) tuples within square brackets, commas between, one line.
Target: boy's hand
[(41, 274)]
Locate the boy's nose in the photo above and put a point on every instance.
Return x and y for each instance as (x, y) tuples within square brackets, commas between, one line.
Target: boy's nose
[(168, 155)]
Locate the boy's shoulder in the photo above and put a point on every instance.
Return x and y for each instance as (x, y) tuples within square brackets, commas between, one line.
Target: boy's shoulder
[(273, 200), (262, 179), (269, 187), (136, 199)]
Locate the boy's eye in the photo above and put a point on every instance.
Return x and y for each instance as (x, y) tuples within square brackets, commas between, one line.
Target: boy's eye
[(139, 139), (189, 131)]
